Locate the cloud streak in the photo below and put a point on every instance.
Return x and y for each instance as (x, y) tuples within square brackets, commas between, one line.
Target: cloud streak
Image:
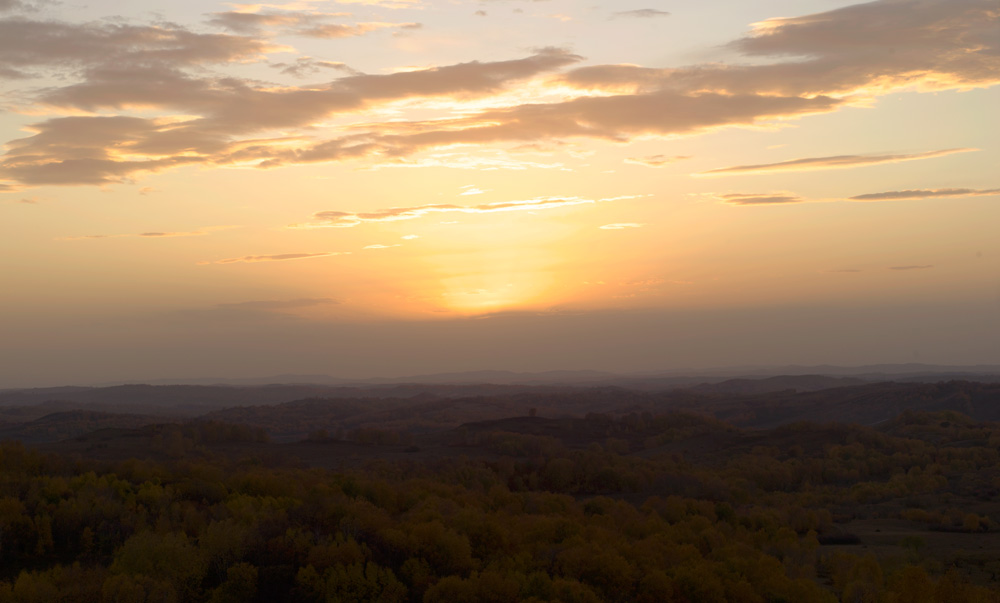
[(278, 305), (781, 198), (341, 219), (146, 235), (338, 30), (152, 234), (621, 226), (642, 13), (785, 197), (656, 161), (926, 194), (829, 163), (281, 257)]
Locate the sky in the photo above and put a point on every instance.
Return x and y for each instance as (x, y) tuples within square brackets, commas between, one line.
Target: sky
[(361, 188)]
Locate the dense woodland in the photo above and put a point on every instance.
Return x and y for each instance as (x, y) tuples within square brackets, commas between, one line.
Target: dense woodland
[(635, 505)]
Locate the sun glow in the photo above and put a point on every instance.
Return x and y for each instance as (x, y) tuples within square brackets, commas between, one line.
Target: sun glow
[(494, 292)]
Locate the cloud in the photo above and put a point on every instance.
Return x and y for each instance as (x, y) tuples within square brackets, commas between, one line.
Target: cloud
[(865, 49), (656, 161), (385, 3), (272, 305), (26, 43), (341, 219), (466, 161), (786, 197), (759, 198), (304, 66), (337, 30), (281, 257), (828, 163), (937, 44), (409, 237), (107, 149), (92, 149), (613, 118), (926, 194), (159, 235), (924, 267), (621, 226), (380, 246), (642, 13), (472, 190), (302, 23), (152, 234), (253, 22), (242, 106), (9, 5), (796, 67)]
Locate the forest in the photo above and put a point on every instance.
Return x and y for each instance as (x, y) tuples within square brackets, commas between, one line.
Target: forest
[(619, 498)]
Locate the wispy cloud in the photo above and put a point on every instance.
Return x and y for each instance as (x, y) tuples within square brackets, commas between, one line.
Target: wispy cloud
[(278, 305), (621, 226), (381, 246), (921, 267), (161, 235), (926, 194), (471, 189), (146, 235), (385, 3), (341, 219), (313, 24), (252, 22), (306, 66), (829, 163), (759, 198), (281, 257), (338, 30), (642, 13), (915, 194), (153, 234), (656, 161), (466, 161)]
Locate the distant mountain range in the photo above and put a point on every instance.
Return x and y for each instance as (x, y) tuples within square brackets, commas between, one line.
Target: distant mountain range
[(719, 390), (912, 372), (292, 412)]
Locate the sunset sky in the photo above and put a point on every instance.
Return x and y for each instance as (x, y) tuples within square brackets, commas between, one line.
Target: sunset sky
[(389, 187)]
